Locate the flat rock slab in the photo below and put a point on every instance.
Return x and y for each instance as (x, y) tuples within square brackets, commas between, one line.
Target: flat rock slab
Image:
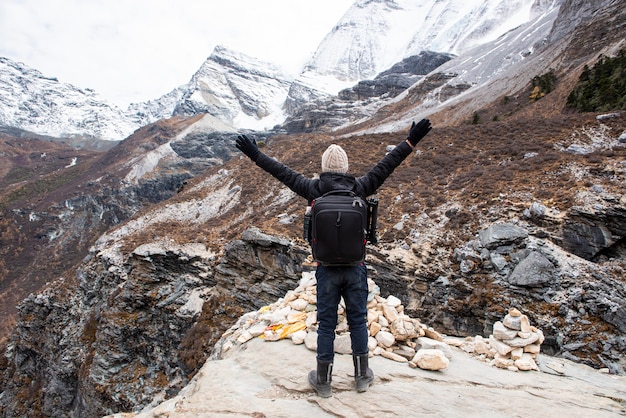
[(269, 379)]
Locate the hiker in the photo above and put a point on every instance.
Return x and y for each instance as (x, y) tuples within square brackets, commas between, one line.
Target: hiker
[(335, 282)]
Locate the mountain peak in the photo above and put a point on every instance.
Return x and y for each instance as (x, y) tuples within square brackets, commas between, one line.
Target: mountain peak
[(238, 89), (33, 102)]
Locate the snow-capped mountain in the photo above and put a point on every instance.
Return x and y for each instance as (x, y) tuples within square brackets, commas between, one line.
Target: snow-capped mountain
[(33, 102), (244, 92), (374, 35), (238, 89)]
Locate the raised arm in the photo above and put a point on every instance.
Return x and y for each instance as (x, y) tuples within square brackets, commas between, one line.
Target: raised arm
[(290, 178)]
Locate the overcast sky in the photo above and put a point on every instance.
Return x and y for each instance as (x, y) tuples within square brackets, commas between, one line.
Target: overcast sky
[(136, 50)]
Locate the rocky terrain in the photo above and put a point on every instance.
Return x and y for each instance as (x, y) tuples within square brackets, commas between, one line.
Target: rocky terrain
[(457, 252), (467, 388), (451, 376), (155, 248)]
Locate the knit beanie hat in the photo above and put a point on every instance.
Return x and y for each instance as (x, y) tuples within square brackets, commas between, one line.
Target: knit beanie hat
[(335, 160)]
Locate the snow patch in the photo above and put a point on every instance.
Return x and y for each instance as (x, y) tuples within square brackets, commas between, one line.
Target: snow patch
[(145, 164), (73, 163)]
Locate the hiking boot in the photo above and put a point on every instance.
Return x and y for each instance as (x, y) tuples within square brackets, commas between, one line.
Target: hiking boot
[(321, 378), (363, 375)]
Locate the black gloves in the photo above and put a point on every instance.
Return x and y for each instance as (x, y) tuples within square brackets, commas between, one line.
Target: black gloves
[(248, 147), (418, 131)]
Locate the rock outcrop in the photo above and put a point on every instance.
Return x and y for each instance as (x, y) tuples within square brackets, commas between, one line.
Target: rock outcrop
[(262, 379), (135, 330)]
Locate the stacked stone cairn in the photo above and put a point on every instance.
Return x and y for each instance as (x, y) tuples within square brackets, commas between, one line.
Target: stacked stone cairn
[(393, 334), (514, 345)]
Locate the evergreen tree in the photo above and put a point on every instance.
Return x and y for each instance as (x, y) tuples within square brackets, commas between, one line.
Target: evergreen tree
[(601, 88)]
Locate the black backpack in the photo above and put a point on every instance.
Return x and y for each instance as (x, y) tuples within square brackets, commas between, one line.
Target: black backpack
[(339, 228)]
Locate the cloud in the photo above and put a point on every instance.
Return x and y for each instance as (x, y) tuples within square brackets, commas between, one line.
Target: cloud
[(137, 50)]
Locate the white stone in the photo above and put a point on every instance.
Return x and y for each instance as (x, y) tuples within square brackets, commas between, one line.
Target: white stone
[(468, 346), (290, 296), (307, 280), (310, 341), (499, 346), (393, 301), (343, 344), (372, 316), (525, 324), (514, 312), (406, 352), (244, 337), (279, 315), (393, 356), (517, 353), (454, 342), (521, 342), (526, 363), (532, 349), (390, 313), (270, 335), (375, 328), (385, 339), (298, 337), (512, 322), (311, 319), (540, 334), (501, 332), (342, 326), (404, 329), (502, 361), (372, 344), (299, 304), (431, 333), (481, 346), (426, 343), (257, 329), (431, 359)]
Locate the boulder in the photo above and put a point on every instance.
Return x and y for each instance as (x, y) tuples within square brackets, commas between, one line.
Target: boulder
[(533, 271), (501, 234), (431, 359)]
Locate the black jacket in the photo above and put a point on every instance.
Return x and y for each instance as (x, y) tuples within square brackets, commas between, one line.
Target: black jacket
[(363, 186)]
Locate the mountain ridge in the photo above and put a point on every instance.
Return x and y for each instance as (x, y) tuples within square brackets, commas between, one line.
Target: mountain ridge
[(247, 93)]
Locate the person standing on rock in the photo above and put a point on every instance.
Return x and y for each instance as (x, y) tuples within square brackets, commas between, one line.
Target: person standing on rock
[(335, 282)]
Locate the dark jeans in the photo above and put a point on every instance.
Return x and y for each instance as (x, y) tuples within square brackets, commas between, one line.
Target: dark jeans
[(333, 283)]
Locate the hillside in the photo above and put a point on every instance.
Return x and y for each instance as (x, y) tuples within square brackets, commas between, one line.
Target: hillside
[(513, 200)]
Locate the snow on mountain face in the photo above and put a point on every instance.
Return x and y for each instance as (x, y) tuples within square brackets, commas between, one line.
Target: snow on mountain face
[(35, 103), (148, 112), (375, 34), (240, 90), (243, 92), (498, 63)]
